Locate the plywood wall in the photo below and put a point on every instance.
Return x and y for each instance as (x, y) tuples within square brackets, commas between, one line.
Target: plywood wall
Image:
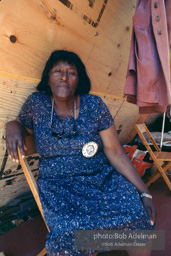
[(99, 31)]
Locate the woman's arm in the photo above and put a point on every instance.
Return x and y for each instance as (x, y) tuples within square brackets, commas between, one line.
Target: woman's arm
[(15, 137), (120, 161)]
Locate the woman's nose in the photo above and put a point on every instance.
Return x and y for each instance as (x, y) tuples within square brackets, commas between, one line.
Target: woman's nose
[(64, 75)]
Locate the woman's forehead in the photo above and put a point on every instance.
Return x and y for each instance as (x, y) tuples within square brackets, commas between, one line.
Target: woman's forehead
[(64, 63)]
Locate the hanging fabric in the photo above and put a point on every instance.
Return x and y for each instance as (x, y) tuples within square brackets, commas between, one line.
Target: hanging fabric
[(148, 74)]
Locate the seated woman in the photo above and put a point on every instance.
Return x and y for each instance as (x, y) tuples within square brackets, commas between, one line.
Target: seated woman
[(86, 180)]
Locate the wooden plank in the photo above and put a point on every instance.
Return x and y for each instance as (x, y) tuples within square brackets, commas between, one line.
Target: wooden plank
[(104, 49), (13, 182), (49, 29), (109, 57)]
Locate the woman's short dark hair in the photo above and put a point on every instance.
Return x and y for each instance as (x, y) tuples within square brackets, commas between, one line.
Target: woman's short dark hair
[(84, 84)]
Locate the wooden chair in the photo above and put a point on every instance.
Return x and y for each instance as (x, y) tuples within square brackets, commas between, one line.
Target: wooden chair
[(30, 178), (157, 156)]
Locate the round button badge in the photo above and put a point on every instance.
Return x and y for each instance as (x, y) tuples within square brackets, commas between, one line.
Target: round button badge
[(89, 149)]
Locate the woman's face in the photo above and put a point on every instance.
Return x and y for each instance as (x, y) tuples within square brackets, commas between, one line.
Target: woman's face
[(63, 80)]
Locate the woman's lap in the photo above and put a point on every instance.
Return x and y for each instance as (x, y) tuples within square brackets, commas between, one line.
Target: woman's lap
[(115, 205)]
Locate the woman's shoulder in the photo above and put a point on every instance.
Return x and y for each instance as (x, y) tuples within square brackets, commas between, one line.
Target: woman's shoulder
[(91, 98), (98, 111), (38, 96), (93, 101)]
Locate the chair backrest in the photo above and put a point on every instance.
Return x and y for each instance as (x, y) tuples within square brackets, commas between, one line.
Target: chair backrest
[(28, 174), (157, 156), (141, 129)]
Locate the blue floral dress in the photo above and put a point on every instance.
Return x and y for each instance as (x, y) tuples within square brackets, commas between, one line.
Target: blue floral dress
[(78, 193)]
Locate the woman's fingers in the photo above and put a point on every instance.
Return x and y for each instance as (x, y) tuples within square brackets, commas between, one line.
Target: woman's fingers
[(148, 210), (8, 148), (15, 157), (153, 215), (13, 150), (15, 134), (148, 205), (22, 147), (12, 147)]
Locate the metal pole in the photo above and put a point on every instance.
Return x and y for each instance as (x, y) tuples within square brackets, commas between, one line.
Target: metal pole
[(161, 141)]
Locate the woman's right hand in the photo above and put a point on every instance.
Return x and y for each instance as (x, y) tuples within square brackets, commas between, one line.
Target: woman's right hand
[(15, 134)]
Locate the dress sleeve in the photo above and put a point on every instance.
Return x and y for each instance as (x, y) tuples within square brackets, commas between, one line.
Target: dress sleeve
[(105, 117), (26, 113)]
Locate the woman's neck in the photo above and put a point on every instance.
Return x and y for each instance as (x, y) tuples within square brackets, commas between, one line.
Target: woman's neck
[(65, 108)]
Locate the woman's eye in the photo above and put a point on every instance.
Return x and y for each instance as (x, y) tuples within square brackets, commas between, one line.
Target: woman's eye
[(72, 72), (58, 71)]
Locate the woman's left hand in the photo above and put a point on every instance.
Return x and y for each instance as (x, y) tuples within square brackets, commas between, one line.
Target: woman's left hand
[(149, 207)]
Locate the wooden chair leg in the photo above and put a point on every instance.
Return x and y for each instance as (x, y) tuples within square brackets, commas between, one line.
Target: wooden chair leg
[(153, 178), (42, 253), (160, 172), (156, 175)]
